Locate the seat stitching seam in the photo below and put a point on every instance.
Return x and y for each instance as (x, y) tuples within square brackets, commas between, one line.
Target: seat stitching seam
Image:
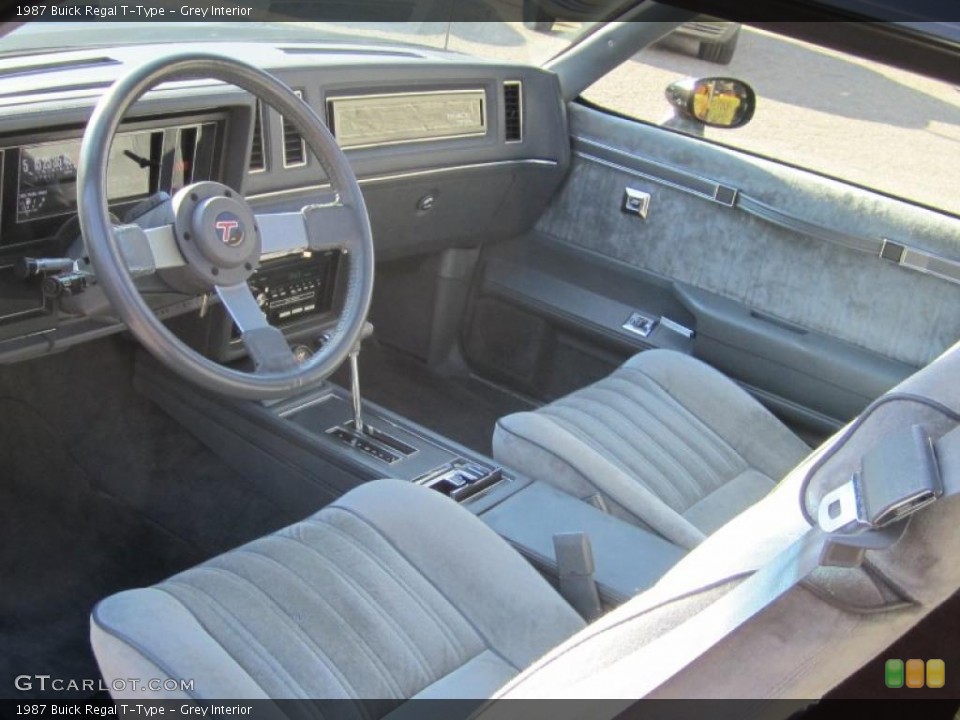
[(371, 602), (586, 478), (361, 641), (711, 458), (660, 395), (681, 404), (480, 634), (456, 644), (707, 432), (678, 497), (224, 614), (604, 449), (670, 457), (284, 617), (607, 492), (316, 651)]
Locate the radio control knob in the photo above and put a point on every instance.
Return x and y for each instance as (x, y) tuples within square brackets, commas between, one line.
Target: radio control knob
[(262, 299)]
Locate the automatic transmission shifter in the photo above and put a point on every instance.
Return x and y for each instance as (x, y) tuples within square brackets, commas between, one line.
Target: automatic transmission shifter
[(355, 378), (357, 433)]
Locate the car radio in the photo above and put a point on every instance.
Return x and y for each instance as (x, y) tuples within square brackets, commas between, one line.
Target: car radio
[(294, 288)]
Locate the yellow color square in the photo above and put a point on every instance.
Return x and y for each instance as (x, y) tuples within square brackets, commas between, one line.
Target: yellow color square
[(936, 673), (914, 673)]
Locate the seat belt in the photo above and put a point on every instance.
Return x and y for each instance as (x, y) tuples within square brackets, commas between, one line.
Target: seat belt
[(898, 477)]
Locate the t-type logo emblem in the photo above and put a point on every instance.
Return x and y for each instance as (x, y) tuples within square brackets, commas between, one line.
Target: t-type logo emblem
[(230, 229)]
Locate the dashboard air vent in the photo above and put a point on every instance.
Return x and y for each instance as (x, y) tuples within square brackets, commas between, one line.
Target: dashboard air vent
[(513, 111), (258, 161), (294, 149)]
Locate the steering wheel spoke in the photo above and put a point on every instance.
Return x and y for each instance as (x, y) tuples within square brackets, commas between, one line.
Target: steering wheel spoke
[(147, 250), (265, 343), (316, 228)]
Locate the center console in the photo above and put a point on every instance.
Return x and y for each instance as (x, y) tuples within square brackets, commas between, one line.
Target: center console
[(392, 447), (528, 514), (306, 451)]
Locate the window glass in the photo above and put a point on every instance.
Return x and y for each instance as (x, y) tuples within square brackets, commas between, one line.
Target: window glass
[(833, 113)]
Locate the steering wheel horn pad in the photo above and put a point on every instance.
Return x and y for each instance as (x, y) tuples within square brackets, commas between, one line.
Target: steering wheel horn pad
[(218, 236)]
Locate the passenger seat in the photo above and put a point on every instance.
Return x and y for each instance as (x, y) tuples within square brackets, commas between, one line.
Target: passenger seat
[(665, 442)]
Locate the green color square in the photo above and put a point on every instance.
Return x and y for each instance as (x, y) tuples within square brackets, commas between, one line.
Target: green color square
[(893, 673)]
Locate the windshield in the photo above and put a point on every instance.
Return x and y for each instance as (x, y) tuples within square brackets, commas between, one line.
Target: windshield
[(524, 42)]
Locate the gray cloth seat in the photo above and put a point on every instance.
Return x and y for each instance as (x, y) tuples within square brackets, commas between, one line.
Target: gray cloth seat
[(668, 442), (396, 592), (392, 592)]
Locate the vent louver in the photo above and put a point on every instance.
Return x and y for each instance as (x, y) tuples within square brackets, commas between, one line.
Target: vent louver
[(512, 111), (258, 161), (294, 149)]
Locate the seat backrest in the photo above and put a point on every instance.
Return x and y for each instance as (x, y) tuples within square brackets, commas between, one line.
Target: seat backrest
[(814, 636)]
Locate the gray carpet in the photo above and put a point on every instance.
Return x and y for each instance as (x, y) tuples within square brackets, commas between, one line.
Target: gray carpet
[(100, 491)]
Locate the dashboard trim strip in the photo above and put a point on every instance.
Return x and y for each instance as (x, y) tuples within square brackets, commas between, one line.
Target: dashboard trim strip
[(388, 177)]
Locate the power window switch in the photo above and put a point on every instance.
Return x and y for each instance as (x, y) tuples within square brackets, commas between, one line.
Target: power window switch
[(640, 324)]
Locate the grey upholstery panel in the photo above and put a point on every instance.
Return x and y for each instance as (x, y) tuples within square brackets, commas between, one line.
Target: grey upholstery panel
[(843, 293), (539, 448), (658, 438), (801, 646), (627, 559), (710, 513), (479, 678), (518, 616), (754, 433), (153, 633), (380, 595)]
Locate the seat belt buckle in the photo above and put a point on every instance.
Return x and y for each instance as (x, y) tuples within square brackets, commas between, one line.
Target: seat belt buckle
[(575, 570), (898, 476)]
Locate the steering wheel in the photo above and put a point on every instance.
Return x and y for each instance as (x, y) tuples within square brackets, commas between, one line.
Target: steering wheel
[(216, 241)]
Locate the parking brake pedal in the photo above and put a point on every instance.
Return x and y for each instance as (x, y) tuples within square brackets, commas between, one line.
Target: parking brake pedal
[(575, 569)]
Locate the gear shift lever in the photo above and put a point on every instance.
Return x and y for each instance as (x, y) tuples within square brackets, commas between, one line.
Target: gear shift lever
[(355, 378), (356, 433)]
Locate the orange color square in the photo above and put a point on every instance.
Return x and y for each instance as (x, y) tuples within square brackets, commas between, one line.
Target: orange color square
[(915, 673), (936, 673)]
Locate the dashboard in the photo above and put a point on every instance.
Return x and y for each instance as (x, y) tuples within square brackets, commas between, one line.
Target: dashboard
[(38, 181), (450, 152)]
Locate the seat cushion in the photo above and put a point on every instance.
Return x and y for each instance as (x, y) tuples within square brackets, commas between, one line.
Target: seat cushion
[(392, 592), (668, 442)]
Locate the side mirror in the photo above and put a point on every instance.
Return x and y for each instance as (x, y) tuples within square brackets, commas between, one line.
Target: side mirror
[(716, 102)]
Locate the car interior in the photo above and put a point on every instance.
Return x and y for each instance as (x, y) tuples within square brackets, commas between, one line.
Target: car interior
[(371, 371)]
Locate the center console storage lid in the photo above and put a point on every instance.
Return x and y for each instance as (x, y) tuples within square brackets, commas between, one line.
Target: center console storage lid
[(628, 559)]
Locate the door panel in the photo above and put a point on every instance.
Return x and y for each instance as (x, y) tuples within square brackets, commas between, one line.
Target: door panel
[(868, 302), (773, 267)]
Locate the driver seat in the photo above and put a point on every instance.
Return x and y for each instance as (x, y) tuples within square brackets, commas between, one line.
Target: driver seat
[(395, 592)]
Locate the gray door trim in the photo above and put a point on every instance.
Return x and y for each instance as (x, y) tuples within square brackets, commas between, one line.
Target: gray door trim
[(885, 249)]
